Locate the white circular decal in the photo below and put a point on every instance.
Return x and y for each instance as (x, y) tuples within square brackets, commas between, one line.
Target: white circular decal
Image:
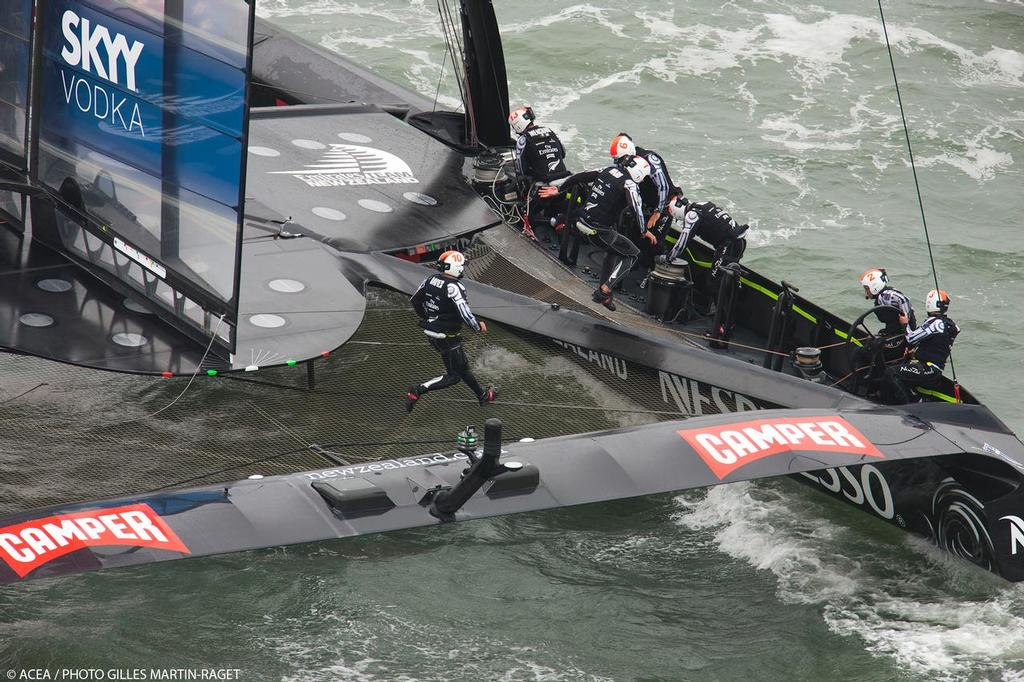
[(129, 340), (309, 144), (375, 206), (264, 151), (422, 199), (55, 286), (286, 286), (36, 320), (355, 137), (328, 213), (267, 321)]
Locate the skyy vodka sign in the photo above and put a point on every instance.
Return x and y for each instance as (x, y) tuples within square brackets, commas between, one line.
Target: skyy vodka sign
[(112, 60)]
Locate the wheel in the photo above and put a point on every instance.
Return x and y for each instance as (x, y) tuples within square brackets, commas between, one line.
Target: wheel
[(869, 341), (960, 524)]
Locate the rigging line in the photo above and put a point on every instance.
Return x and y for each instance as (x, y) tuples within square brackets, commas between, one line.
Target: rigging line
[(213, 337), (24, 393), (913, 166), (440, 77), (277, 423)]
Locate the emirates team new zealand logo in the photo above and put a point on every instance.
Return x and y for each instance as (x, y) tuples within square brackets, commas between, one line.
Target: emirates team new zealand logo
[(350, 164)]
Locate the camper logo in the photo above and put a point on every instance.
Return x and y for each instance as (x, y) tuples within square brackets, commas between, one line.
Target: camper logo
[(349, 164), (728, 447), (109, 58), (27, 546)]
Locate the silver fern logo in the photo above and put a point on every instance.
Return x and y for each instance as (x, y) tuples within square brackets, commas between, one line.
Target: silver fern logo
[(350, 164)]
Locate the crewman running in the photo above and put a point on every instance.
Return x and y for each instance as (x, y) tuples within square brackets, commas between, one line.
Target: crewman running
[(442, 306)]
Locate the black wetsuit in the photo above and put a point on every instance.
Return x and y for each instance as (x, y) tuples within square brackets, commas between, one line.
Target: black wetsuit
[(540, 160), (716, 227), (442, 306), (932, 342), (612, 191), (655, 191), (894, 333)]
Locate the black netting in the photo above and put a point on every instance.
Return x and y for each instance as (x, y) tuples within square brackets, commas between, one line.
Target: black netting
[(73, 434)]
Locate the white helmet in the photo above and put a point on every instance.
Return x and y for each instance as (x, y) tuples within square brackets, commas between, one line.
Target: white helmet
[(677, 206), (937, 301), (637, 167), (874, 281), (452, 263), (622, 145), (521, 118)]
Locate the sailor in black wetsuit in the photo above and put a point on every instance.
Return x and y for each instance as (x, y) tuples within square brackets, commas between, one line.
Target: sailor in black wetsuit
[(442, 306), (540, 160), (877, 288), (657, 189), (712, 224), (931, 344), (612, 191)]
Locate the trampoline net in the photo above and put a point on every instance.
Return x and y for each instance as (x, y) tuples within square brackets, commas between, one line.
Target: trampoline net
[(72, 434)]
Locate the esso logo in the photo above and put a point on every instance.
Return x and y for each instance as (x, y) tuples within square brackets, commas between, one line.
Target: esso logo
[(869, 488)]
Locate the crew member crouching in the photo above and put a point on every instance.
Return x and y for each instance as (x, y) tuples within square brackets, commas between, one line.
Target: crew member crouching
[(712, 224), (931, 344), (877, 288), (442, 306)]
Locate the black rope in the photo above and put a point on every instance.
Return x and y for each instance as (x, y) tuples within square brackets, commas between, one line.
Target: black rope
[(913, 166)]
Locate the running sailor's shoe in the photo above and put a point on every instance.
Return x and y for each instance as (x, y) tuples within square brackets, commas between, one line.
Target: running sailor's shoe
[(412, 396), (489, 395), (604, 299)]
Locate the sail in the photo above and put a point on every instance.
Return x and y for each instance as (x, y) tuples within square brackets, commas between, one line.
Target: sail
[(15, 61), (142, 124), (487, 91)]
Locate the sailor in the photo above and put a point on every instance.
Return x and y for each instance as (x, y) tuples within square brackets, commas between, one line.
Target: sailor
[(540, 160), (930, 344), (442, 306), (712, 224), (613, 190), (877, 288), (656, 190)]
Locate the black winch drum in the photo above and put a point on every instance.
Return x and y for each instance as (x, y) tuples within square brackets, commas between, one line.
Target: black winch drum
[(489, 172), (669, 289)]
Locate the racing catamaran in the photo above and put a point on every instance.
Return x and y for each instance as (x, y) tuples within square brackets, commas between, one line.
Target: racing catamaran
[(179, 203)]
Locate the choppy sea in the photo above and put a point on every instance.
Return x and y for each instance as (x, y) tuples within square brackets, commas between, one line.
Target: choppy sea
[(785, 113)]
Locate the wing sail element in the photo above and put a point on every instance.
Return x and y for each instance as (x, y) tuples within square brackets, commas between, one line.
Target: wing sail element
[(142, 120), (361, 499)]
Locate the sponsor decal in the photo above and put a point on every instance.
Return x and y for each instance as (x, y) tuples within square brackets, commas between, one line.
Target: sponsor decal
[(1016, 532), (27, 546), (692, 397), (139, 257), (869, 488), (612, 364), (350, 164), (107, 58), (728, 447), (387, 465)]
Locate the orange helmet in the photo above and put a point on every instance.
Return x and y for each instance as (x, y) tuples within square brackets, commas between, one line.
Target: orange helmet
[(451, 263), (874, 281), (622, 145), (937, 301)]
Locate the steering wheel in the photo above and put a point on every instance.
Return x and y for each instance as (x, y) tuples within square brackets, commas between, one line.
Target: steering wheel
[(871, 343)]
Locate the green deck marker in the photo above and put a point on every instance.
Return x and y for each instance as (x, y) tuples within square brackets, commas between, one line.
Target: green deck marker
[(211, 372)]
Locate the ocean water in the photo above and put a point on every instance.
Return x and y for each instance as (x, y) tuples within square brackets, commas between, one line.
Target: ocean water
[(785, 113)]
